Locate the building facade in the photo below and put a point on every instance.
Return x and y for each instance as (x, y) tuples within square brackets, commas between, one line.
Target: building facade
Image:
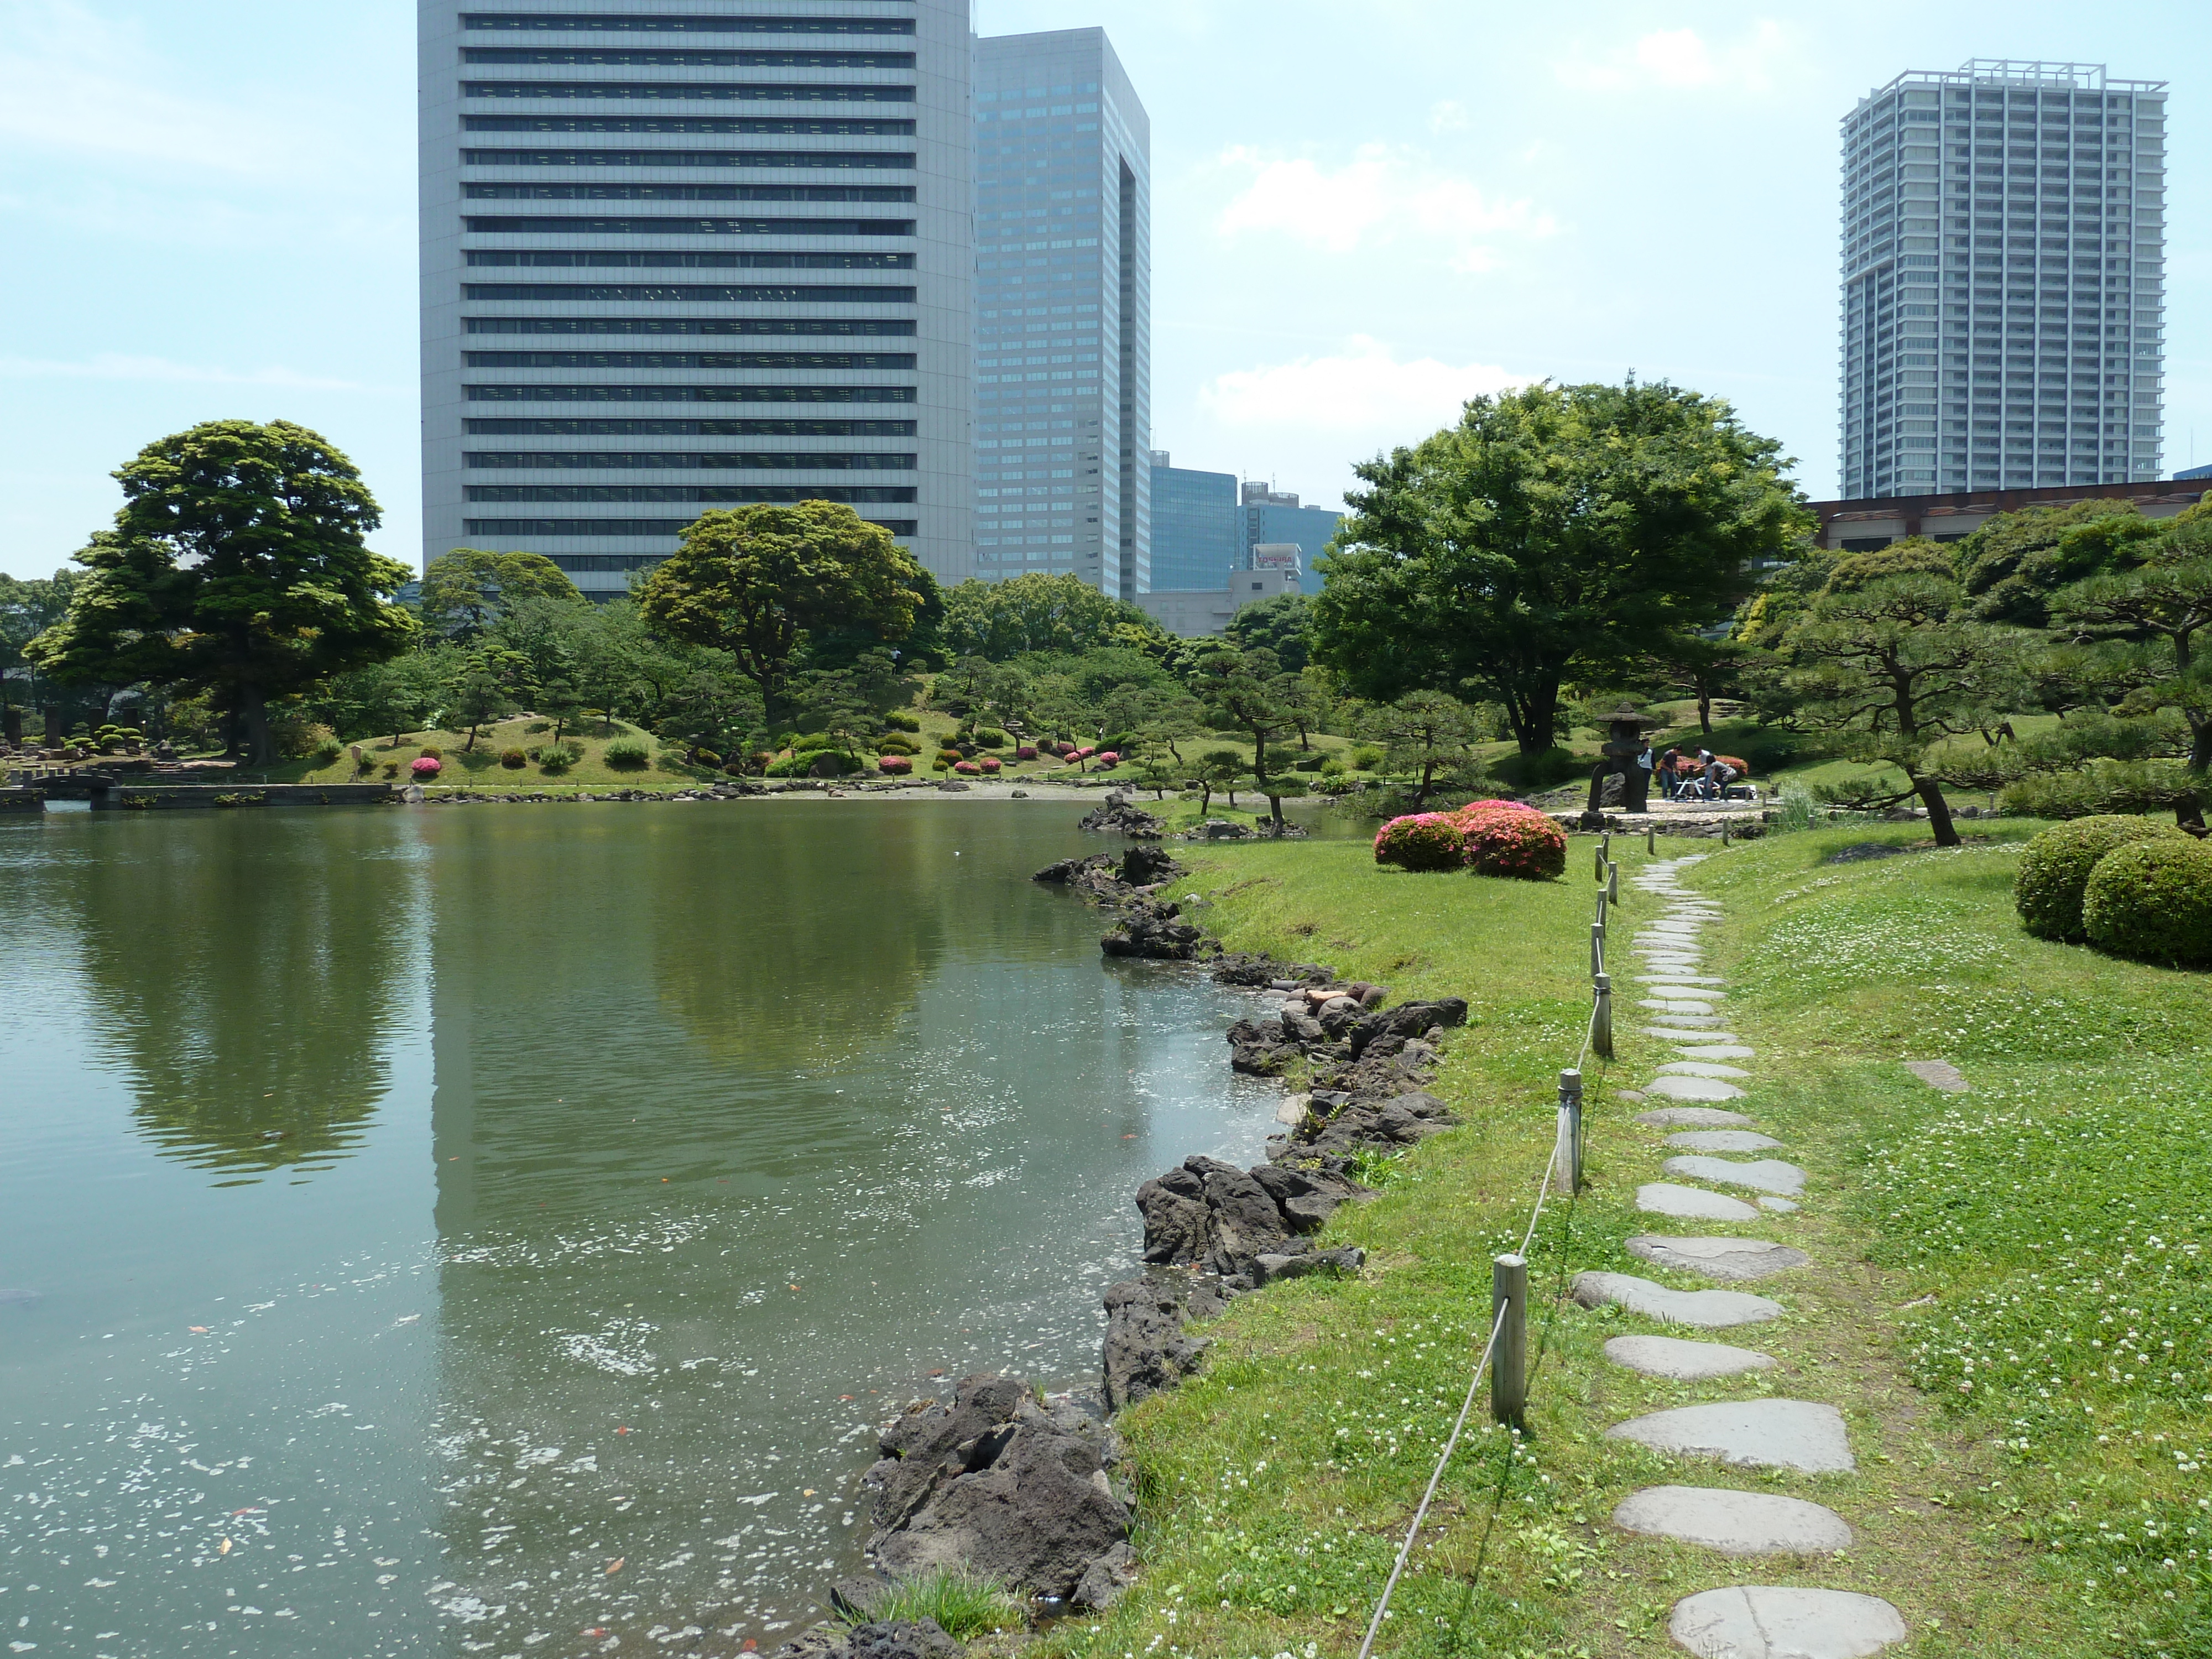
[(1192, 612), (1198, 525), (1274, 516), (689, 255), (1063, 300), (2003, 280), (1864, 523)]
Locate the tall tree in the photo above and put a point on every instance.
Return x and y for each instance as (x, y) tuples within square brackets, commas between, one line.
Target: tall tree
[(754, 580), (467, 590), (1704, 668), (1035, 612), (2149, 618), (1554, 533), (1280, 624), (2012, 564), (1238, 690), (238, 565), (1425, 732)]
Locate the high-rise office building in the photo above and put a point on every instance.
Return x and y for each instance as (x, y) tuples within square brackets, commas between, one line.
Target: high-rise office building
[(1273, 516), (1198, 528), (2003, 267), (697, 254), (1063, 296)]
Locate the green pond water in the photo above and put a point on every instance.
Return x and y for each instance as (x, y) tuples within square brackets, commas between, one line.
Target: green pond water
[(501, 1230)]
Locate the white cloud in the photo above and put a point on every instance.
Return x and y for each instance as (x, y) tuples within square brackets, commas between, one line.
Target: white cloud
[(114, 365), (1448, 115), (1682, 59), (1364, 390), (1383, 194)]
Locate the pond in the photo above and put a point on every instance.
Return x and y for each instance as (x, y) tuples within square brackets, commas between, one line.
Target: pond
[(501, 1230)]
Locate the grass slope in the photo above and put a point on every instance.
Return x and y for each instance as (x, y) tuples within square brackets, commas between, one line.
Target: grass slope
[(2057, 1206)]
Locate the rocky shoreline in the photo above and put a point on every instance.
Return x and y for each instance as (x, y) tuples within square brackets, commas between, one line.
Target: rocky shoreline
[(1033, 1492)]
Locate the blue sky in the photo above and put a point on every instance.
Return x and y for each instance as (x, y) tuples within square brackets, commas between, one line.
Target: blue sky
[(1362, 214)]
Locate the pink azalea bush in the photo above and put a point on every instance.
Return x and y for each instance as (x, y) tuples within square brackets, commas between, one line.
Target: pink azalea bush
[(1025, 751), (895, 765), (1109, 758), (1503, 838), (424, 767), (990, 763), (968, 769), (1423, 840)]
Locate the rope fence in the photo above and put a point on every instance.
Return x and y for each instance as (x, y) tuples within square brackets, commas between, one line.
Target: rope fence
[(1504, 1357)]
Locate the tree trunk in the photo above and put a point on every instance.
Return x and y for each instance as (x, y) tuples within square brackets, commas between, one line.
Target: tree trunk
[(1534, 715), (250, 716), (1204, 798), (1704, 711), (2200, 742), (1421, 794), (1275, 813), (1939, 811)]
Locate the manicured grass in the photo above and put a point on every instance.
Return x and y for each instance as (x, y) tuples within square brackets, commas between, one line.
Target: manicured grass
[(1998, 1518)]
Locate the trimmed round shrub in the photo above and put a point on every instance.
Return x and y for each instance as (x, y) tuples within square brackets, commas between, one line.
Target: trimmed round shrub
[(513, 759), (968, 769), (2054, 869), (1423, 840), (899, 720), (1366, 760), (554, 759), (898, 746), (425, 766), (1025, 751), (991, 763), (1107, 757), (429, 752), (990, 736), (1077, 754), (833, 763), (2152, 900), (1523, 844), (812, 742), (896, 766), (790, 766), (706, 757), (324, 753), (735, 768), (949, 755), (627, 755)]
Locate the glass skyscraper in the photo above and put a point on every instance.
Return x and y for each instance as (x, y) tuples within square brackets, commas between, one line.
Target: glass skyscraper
[(1273, 516), (1063, 323), (2004, 255), (1197, 526), (691, 256)]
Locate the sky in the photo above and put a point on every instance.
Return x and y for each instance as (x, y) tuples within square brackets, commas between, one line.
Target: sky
[(1363, 215)]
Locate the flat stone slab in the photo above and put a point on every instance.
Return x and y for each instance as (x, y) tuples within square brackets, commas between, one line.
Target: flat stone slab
[(1751, 1434), (1735, 1522), (1685, 1030), (1692, 1117), (1784, 1206), (1681, 978), (1724, 1140), (1684, 1361), (1711, 1310), (1938, 1074), (1660, 985), (1675, 1005), (1717, 1051), (1700, 1068), (1695, 1088), (1691, 1203), (1717, 1258), (1761, 1621), (1768, 1174)]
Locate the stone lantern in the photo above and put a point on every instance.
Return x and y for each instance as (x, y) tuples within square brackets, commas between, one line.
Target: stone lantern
[(1625, 739)]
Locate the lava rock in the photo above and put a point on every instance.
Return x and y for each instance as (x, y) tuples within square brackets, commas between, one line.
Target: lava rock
[(1150, 930), (1119, 818), (1104, 1579), (1147, 1351)]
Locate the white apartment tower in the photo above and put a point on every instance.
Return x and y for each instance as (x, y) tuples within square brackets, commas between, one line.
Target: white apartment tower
[(2003, 267), (1063, 328), (679, 254)]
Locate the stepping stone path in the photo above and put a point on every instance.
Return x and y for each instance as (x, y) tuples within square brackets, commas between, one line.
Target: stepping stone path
[(1744, 1621), (1938, 1074)]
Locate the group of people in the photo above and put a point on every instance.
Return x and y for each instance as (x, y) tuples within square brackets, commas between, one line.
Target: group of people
[(1706, 778)]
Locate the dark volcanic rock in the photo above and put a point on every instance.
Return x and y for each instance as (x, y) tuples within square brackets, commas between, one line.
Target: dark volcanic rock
[(923, 1638), (1151, 930), (1307, 1198), (1069, 871), (1143, 865), (1104, 1580), (1118, 817), (1147, 1352)]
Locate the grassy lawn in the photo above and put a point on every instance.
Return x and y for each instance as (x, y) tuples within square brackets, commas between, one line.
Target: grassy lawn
[(1993, 1238)]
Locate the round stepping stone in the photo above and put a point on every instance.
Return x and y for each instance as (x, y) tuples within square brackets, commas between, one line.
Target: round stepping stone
[(1735, 1522), (1710, 1310), (1691, 1203), (1723, 1140), (1700, 1068), (1686, 1030), (1717, 1051), (1694, 1117), (1768, 1174), (1683, 1361), (1717, 1258), (1784, 1206), (1763, 1621), (1752, 1434), (1697, 1088), (1938, 1074), (1671, 1006)]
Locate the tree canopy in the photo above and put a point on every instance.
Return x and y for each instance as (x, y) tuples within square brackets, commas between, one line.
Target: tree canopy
[(467, 590), (1551, 534), (1035, 612), (1279, 623), (238, 566)]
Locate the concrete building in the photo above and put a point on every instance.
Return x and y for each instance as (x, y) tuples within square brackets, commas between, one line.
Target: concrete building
[(1272, 515), (1063, 298), (692, 255), (2003, 249), (1860, 526), (1192, 612), (1198, 525), (2204, 471)]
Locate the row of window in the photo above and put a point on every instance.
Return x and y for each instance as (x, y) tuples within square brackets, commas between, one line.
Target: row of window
[(873, 160), (688, 192), (691, 394), (686, 293), (567, 460), (701, 493), (516, 224), (560, 22), (626, 529), (689, 359), (669, 58), (524, 426), (655, 259), (767, 92), (696, 325), (819, 127)]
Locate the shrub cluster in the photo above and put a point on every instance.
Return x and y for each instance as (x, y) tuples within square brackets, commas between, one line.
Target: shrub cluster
[(1504, 838), (991, 763), (898, 746), (990, 736), (627, 755), (896, 766), (1423, 840), (2152, 900), (899, 720), (425, 766), (430, 752), (1025, 751), (513, 759), (967, 768), (2055, 868)]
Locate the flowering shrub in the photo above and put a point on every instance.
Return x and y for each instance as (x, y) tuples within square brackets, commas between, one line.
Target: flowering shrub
[(513, 759), (1025, 751), (425, 766), (895, 765), (1108, 757), (1522, 842), (1078, 754), (1426, 841), (968, 769), (991, 763)]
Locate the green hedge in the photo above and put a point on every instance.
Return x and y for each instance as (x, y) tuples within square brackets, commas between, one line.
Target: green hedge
[(2152, 900), (2054, 869)]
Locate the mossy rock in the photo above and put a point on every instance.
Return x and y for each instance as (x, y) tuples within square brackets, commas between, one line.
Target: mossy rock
[(2152, 900), (2054, 870)]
